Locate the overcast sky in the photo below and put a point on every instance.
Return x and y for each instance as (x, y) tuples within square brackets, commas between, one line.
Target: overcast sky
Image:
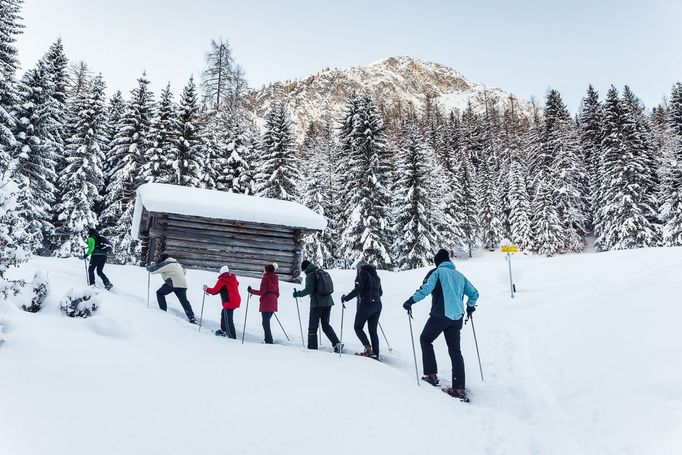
[(521, 46)]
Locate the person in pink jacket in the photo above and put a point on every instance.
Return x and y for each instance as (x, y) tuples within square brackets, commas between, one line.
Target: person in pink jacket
[(269, 293)]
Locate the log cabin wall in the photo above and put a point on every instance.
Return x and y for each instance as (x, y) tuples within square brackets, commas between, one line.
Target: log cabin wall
[(208, 244)]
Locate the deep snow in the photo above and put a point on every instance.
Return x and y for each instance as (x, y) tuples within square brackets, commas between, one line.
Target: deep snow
[(585, 360)]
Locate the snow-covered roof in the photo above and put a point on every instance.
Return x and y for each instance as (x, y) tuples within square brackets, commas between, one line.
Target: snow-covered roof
[(182, 200)]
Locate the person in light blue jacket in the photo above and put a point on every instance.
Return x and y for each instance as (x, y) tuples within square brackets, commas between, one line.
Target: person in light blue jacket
[(447, 287)]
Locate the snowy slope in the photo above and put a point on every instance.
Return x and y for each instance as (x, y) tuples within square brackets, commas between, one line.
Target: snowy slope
[(392, 81), (584, 361)]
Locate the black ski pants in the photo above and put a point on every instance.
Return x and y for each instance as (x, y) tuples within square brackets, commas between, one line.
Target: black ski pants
[(267, 315), (451, 329), (180, 293), (320, 315), (97, 263), (368, 314), (227, 323)]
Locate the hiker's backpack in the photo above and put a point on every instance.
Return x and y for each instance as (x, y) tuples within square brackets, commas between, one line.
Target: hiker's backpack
[(324, 285), (103, 244)]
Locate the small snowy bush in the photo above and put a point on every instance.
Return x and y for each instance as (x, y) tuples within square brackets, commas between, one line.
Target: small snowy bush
[(80, 304), (35, 293)]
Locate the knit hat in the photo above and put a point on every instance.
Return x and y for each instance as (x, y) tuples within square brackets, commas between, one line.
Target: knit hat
[(224, 269), (305, 264), (441, 257)]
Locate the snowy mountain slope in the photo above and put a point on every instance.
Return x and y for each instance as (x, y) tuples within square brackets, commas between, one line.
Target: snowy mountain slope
[(393, 81), (583, 361)]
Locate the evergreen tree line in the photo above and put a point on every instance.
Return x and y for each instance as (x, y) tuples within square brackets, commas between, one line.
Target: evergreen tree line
[(393, 193)]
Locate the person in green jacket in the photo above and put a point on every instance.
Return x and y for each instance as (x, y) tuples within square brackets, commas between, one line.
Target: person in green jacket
[(98, 248), (320, 308)]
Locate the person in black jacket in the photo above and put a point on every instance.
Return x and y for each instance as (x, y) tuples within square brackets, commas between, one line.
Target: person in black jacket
[(368, 291)]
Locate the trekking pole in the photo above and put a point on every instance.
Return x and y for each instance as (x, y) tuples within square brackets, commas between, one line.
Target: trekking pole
[(149, 279), (385, 339), (87, 277), (414, 352), (282, 327), (299, 321), (343, 310), (246, 313), (476, 343), (201, 316)]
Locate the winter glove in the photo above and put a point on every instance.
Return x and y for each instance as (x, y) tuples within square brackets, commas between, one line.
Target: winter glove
[(248, 289), (408, 305), (295, 294), (205, 287), (470, 310), (344, 299)]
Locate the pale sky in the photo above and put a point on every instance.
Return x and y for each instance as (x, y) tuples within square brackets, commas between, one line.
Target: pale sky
[(521, 46)]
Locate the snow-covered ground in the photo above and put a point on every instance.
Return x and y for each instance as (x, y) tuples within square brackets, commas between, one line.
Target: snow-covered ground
[(586, 360)]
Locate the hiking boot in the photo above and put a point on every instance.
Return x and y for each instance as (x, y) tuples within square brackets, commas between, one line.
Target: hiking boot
[(108, 286), (366, 353), (338, 348), (220, 333), (431, 379), (192, 320)]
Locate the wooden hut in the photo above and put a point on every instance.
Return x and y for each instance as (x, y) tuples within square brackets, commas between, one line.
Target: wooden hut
[(206, 229)]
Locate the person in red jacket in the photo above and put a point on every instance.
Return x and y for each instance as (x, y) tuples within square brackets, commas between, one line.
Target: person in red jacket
[(228, 288), (269, 293)]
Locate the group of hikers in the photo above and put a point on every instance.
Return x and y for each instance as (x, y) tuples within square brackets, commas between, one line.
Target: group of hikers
[(446, 285)]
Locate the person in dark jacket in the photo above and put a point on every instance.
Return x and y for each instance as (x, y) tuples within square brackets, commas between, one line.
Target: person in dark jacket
[(269, 293), (320, 308), (228, 288), (447, 287), (98, 247), (368, 292), (173, 275)]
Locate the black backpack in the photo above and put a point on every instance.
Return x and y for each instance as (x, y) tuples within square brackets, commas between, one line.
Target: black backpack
[(324, 285), (103, 245)]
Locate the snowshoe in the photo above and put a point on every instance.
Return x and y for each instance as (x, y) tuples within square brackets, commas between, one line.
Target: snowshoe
[(193, 321), (457, 393), (431, 380), (108, 286), (338, 348), (220, 333)]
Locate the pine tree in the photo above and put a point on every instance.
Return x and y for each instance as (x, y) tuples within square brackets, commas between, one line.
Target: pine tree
[(110, 162), (627, 197), (366, 231), (34, 156), (56, 64), (82, 178), (590, 121), (417, 203), (521, 231), (235, 174), (223, 81), (671, 187), (10, 28), (547, 233), (466, 199), (128, 151), (279, 174), (164, 131), (12, 236), (189, 162), (79, 78)]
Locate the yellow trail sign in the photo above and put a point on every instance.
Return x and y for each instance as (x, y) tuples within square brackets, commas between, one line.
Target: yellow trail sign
[(509, 248)]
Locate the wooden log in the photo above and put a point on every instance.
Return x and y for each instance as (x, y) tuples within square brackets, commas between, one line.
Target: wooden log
[(199, 247), (229, 238), (219, 260), (239, 225)]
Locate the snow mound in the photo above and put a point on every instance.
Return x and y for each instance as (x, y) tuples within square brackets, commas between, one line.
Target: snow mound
[(80, 303)]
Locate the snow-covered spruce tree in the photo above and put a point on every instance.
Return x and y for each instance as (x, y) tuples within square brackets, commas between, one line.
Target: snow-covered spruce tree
[(188, 163), (345, 180), (10, 28), (128, 150), (418, 212), (319, 191), (279, 174), (110, 162), (628, 203), (12, 245), (671, 187), (33, 153), (547, 233), (559, 167), (366, 210), (465, 200), (56, 64), (492, 230), (81, 180), (589, 121), (517, 197), (235, 173), (163, 133)]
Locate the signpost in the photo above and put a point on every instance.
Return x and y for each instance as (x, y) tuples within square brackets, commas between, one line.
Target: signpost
[(509, 249)]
